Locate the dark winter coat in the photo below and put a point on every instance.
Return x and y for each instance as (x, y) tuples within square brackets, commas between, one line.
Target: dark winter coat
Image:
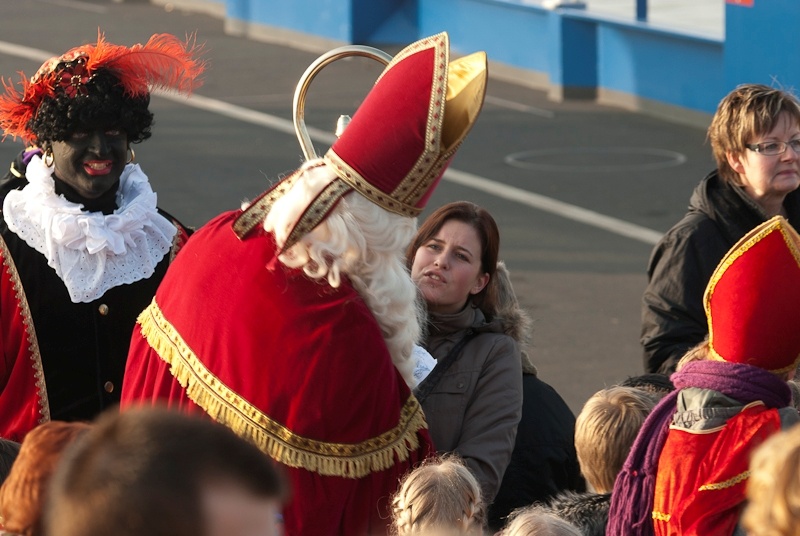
[(680, 267), (544, 461), (475, 408)]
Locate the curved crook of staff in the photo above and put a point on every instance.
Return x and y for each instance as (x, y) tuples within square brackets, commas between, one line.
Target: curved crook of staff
[(299, 103)]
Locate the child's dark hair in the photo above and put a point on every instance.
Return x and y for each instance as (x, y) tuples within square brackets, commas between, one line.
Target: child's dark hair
[(105, 104)]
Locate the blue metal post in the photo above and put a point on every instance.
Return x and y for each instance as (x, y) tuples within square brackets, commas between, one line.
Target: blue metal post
[(641, 10)]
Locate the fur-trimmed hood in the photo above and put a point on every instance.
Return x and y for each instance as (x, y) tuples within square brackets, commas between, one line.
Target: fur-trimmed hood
[(588, 511), (515, 321)]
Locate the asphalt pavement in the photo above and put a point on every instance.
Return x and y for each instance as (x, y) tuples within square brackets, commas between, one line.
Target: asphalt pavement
[(580, 191)]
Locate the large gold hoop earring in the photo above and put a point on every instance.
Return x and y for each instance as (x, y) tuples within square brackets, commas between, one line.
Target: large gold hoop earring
[(49, 159), (132, 157)]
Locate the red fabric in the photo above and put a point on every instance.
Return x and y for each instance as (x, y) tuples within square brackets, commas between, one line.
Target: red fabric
[(310, 357), (394, 141), (691, 460), (383, 143), (20, 401), (752, 311)]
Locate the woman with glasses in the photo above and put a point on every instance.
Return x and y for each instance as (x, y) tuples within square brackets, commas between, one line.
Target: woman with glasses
[(755, 137)]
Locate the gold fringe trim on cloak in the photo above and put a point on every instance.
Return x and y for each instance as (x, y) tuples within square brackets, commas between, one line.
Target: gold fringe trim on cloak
[(348, 460), (661, 516)]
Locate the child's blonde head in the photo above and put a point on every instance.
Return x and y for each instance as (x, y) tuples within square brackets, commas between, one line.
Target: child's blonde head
[(536, 521), (439, 497), (773, 489), (605, 430)]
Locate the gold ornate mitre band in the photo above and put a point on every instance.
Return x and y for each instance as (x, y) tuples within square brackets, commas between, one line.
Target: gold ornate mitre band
[(348, 460)]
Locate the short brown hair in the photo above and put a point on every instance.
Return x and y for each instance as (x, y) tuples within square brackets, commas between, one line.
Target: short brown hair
[(22, 495), (605, 430), (749, 111), (144, 471)]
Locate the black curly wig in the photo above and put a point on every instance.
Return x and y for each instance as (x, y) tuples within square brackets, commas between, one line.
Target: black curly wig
[(104, 104)]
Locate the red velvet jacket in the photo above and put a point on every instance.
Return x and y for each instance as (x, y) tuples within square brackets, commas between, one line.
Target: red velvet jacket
[(702, 474), (60, 360)]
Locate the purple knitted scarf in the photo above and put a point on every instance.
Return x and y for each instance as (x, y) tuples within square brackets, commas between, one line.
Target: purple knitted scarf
[(632, 498)]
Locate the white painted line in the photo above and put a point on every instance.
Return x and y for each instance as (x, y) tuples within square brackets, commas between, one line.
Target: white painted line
[(503, 103), (497, 189), (28, 53), (559, 208), (247, 115), (74, 4)]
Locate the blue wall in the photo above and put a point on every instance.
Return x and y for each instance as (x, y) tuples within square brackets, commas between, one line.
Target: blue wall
[(508, 31), (577, 54), (580, 53), (762, 43), (676, 69), (332, 18), (385, 21), (574, 55)]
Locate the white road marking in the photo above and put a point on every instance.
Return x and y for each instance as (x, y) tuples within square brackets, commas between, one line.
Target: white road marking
[(497, 189), (28, 53), (519, 107), (554, 206), (74, 4)]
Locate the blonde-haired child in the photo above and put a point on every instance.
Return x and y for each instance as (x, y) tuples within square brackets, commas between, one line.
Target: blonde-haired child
[(537, 521), (440, 497), (773, 490)]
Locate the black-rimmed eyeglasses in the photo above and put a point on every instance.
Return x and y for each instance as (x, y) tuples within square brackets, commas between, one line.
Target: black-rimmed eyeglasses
[(773, 148)]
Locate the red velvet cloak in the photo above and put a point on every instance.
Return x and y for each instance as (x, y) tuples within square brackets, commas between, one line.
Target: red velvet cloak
[(294, 365)]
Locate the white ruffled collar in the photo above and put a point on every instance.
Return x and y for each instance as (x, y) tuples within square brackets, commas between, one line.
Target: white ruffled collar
[(90, 251)]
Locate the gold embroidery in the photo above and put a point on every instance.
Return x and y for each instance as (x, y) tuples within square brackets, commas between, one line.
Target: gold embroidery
[(661, 516), (15, 172), (726, 484), (420, 176), (413, 186), (317, 211), (227, 407), (30, 331), (253, 215), (178, 241), (360, 184)]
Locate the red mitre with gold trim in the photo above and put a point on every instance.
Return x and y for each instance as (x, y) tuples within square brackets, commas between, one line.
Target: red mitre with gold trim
[(400, 141), (752, 301), (404, 134)]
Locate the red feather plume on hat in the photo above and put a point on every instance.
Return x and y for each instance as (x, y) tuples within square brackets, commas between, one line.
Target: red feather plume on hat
[(163, 62)]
